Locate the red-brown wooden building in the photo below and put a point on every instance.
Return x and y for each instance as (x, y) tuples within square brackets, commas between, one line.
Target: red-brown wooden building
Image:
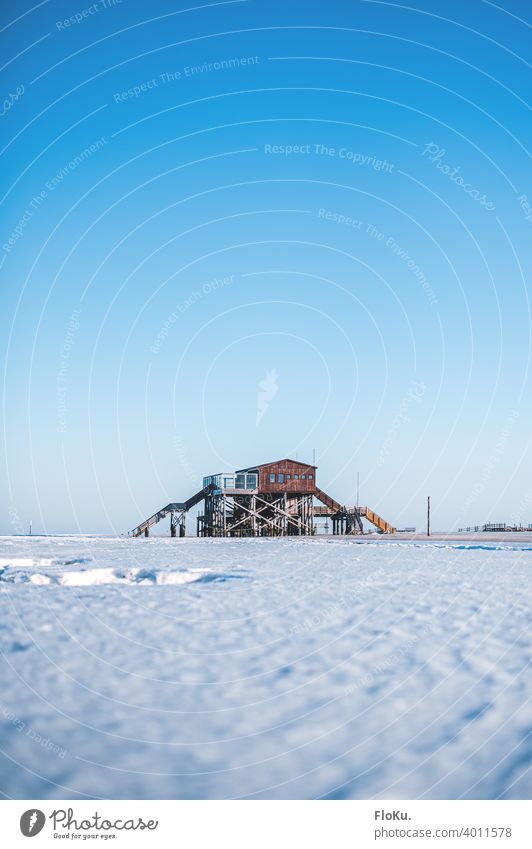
[(284, 476)]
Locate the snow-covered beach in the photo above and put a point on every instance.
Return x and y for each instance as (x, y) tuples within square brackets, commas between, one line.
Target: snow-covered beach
[(288, 668)]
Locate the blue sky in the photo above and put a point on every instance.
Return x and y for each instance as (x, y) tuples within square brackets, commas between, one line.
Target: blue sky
[(331, 198)]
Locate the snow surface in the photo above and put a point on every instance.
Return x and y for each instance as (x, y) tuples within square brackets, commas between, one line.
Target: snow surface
[(288, 668)]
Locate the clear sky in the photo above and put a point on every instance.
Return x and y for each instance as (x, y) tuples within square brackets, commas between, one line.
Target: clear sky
[(239, 231)]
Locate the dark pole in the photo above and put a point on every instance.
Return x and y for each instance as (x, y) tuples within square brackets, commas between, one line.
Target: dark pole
[(428, 516)]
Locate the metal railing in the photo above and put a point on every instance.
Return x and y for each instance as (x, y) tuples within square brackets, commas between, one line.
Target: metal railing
[(494, 527)]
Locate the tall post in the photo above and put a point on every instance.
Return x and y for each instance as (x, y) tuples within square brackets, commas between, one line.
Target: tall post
[(428, 516)]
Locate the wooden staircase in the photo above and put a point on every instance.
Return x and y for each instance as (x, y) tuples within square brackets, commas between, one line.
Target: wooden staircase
[(332, 507), (380, 523), (175, 507)]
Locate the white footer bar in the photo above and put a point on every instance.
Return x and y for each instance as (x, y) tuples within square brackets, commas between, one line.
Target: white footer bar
[(268, 824)]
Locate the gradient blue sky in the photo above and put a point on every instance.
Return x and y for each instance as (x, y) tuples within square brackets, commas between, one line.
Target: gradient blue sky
[(423, 389)]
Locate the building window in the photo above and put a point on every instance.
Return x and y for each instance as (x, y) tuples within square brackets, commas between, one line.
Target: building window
[(303, 477), (288, 477), (280, 478), (296, 477), (310, 477), (272, 478)]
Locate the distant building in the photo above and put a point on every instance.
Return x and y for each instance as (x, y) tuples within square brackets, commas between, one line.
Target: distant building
[(269, 499)]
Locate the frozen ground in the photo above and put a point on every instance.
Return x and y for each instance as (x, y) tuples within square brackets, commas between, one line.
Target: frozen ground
[(264, 668)]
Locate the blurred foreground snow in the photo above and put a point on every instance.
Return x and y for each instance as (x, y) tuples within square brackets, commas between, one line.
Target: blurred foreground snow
[(289, 668)]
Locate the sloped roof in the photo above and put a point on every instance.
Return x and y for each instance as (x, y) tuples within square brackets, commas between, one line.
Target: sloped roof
[(278, 463)]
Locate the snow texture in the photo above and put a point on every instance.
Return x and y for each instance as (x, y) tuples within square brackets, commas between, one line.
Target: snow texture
[(288, 668)]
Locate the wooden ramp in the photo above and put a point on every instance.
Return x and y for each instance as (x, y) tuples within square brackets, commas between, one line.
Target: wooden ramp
[(329, 502), (174, 509), (333, 507), (380, 523), (346, 520)]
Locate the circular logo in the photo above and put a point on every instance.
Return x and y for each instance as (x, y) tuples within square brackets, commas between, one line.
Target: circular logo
[(32, 822)]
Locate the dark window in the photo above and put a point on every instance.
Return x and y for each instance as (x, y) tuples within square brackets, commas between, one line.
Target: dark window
[(280, 478), (272, 478), (303, 477), (296, 477)]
